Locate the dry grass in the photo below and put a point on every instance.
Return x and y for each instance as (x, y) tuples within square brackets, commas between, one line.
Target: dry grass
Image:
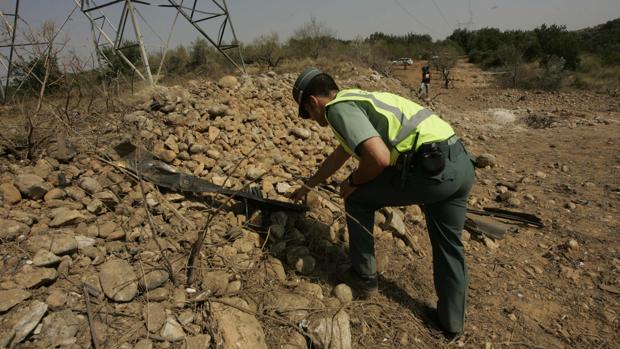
[(593, 75)]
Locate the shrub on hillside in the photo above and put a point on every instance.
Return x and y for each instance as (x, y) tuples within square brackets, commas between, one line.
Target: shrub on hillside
[(595, 74), (265, 50)]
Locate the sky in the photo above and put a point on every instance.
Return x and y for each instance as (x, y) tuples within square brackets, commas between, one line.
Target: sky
[(348, 19)]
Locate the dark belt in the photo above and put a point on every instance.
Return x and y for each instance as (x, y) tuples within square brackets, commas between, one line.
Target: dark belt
[(451, 147)]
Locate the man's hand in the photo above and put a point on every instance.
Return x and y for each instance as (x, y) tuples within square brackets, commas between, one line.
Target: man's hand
[(299, 194), (330, 165), (346, 189)]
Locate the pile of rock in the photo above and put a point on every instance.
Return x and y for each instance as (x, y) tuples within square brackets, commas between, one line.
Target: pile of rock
[(75, 230)]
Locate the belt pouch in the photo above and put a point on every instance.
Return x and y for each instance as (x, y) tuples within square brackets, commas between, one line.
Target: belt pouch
[(433, 161)]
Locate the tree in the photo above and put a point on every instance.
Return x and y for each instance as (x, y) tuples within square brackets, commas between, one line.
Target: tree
[(553, 73), (603, 40), (41, 72), (178, 60), (32, 74), (444, 58), (115, 65), (555, 40), (512, 59), (311, 39), (198, 53), (463, 38), (266, 50)]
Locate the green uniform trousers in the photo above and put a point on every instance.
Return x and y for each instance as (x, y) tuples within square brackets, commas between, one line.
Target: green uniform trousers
[(443, 199)]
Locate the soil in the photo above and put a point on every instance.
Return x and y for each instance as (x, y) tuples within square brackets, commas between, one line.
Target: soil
[(557, 155)]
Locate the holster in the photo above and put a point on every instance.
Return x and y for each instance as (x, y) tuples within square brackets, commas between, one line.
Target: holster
[(432, 160)]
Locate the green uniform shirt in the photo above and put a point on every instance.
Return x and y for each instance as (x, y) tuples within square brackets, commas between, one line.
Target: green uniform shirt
[(356, 122)]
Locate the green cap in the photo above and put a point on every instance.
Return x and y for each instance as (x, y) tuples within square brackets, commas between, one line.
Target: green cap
[(300, 85)]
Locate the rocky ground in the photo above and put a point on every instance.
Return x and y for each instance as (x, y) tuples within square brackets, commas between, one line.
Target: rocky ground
[(91, 255)]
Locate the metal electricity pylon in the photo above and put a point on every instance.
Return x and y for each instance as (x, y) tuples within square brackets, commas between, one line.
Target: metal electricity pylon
[(199, 14), (118, 32), (197, 17), (196, 14), (9, 65)]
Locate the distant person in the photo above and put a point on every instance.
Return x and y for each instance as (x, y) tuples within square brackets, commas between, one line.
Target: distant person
[(407, 155), (425, 86)]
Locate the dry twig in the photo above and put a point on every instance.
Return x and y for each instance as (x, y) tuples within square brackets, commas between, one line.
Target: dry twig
[(91, 320)]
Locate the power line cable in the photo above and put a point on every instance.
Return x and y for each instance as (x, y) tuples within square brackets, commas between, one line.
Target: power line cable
[(442, 16), (413, 17), (149, 26)]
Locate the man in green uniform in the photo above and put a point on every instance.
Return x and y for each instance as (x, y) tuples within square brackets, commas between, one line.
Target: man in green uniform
[(407, 155)]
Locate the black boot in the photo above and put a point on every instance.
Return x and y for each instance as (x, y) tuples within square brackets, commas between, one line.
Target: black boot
[(362, 287)]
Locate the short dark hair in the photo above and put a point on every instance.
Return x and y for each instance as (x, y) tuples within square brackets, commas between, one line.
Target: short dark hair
[(321, 85)]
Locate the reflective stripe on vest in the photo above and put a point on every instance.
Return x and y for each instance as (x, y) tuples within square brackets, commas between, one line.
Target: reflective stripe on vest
[(407, 124), (403, 117)]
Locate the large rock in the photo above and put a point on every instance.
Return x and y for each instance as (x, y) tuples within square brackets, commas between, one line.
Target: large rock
[(254, 173), (10, 229), (96, 207), (292, 340), (32, 277), (154, 315), (200, 341), (118, 280), (32, 186), (61, 150), (54, 194), (484, 160), (310, 289), (45, 258), (56, 299), (10, 194), (213, 133), (153, 279), (107, 198), (331, 332), (305, 265), (216, 282), (218, 110), (237, 328), (144, 344), (395, 221), (344, 293), (63, 216), (84, 242), (197, 148), (59, 244), (273, 269), (60, 328), (301, 132), (172, 331), (42, 168), (14, 329), (91, 185), (290, 305), (165, 155), (63, 244), (11, 298), (228, 81)]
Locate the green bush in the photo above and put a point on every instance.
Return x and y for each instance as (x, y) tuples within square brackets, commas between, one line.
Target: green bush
[(30, 76), (115, 65)]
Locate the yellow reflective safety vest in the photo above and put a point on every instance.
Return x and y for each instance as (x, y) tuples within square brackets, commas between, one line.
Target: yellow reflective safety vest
[(405, 119)]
